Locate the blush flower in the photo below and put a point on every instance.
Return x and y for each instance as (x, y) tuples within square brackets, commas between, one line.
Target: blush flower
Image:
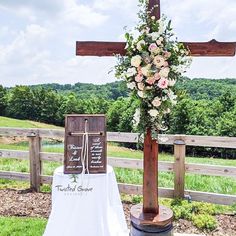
[(156, 102), (141, 86), (136, 61), (167, 54), (138, 77), (159, 61), (150, 80), (140, 45), (153, 48), (131, 72), (163, 83), (164, 72), (157, 76), (146, 70), (153, 112)]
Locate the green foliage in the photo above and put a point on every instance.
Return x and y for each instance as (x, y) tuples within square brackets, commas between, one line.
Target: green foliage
[(136, 199), (205, 221), (205, 107), (201, 214), (3, 100), (20, 103), (120, 115), (16, 226)]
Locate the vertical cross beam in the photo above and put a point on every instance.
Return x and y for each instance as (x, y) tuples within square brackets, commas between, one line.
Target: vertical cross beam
[(154, 8), (150, 175)]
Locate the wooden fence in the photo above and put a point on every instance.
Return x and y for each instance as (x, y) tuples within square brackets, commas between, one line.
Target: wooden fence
[(179, 167)]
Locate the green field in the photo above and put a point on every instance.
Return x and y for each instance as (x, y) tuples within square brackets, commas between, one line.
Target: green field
[(18, 226), (203, 183), (9, 122)]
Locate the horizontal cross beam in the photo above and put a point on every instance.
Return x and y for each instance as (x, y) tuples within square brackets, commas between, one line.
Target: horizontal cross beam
[(211, 48)]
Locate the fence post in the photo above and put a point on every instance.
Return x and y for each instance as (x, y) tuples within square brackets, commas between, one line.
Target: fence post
[(35, 163), (179, 167)]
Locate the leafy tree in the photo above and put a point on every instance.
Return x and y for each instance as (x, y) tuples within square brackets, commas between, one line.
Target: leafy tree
[(3, 100), (20, 103)]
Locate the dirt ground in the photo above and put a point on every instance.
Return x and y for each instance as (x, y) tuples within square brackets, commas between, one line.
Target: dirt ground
[(24, 203)]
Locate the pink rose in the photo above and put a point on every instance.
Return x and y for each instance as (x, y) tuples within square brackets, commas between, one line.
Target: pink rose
[(150, 80), (167, 54), (166, 64), (156, 102), (152, 47), (163, 83), (139, 77), (157, 76)]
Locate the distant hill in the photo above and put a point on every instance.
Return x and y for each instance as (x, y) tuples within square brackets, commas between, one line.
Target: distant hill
[(86, 90), (199, 88)]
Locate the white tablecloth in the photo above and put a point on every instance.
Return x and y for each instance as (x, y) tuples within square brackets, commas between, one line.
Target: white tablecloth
[(86, 205)]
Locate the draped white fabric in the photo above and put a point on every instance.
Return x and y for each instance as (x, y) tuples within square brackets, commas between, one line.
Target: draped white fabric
[(86, 205)]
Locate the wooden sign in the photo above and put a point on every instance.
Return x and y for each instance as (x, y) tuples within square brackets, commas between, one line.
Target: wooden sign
[(85, 144)]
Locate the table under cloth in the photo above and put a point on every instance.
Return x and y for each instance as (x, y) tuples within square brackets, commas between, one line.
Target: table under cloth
[(86, 205)]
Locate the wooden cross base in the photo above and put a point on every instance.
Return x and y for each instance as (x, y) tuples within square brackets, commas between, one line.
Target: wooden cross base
[(160, 220)]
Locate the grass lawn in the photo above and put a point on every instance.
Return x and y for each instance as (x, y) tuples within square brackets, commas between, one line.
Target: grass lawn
[(19, 226), (9, 122)]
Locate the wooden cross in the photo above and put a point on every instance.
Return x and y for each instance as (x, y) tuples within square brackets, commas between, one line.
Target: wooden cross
[(211, 48)]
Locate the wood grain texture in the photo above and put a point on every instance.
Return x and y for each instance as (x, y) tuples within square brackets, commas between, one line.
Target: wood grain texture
[(14, 154), (154, 7), (190, 140), (150, 174), (212, 170), (75, 127), (14, 175), (140, 218), (35, 162), (179, 168), (212, 48)]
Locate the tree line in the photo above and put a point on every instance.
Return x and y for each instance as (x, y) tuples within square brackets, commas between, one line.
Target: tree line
[(205, 107)]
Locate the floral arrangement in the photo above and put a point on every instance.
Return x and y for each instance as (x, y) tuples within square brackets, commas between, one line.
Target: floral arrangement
[(153, 63)]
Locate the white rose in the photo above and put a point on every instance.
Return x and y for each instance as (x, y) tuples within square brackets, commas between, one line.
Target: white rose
[(141, 94), (167, 111), (164, 98), (153, 112), (172, 82), (131, 85), (140, 44), (136, 61), (154, 35), (156, 102), (141, 86), (158, 42), (164, 72), (146, 70), (159, 61), (131, 72), (171, 95)]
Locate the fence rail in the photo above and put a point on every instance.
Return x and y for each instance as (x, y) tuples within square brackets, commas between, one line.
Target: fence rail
[(179, 167)]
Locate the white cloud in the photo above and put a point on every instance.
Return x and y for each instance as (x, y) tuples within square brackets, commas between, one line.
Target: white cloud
[(37, 38), (82, 14)]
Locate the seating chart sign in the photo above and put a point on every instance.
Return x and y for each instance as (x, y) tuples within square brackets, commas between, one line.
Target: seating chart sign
[(85, 144)]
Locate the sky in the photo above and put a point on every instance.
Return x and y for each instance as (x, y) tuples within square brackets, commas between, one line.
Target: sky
[(37, 38)]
